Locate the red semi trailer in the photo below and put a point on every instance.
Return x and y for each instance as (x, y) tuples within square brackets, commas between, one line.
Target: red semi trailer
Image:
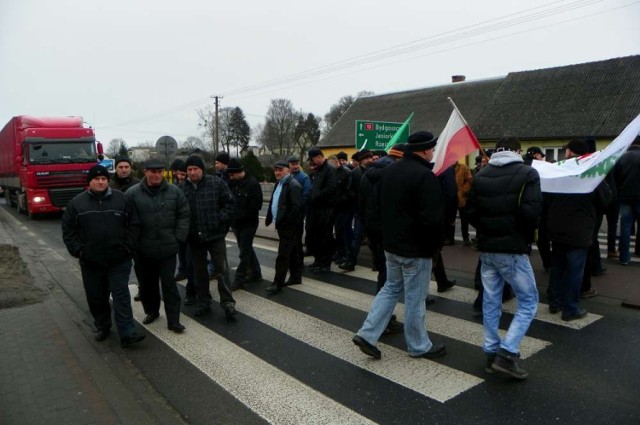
[(44, 161)]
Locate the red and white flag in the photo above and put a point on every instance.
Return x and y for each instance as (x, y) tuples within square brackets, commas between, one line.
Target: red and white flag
[(455, 142)]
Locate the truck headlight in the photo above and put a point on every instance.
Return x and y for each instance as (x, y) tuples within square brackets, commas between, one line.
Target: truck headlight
[(38, 199)]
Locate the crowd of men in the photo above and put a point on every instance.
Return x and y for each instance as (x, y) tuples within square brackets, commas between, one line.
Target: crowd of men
[(393, 200)]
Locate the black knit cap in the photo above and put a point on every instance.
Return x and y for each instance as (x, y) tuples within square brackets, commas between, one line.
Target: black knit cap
[(176, 164), (195, 161), (234, 166), (534, 150), (342, 155), (223, 158), (313, 152), (119, 159), (420, 141), (97, 171), (364, 154), (577, 146)]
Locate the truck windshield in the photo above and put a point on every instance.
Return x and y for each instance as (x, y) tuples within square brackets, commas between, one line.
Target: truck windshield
[(61, 152)]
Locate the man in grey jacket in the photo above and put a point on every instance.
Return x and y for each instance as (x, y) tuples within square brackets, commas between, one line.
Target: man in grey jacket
[(163, 212)]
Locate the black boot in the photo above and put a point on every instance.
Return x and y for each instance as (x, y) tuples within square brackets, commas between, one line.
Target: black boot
[(507, 362)]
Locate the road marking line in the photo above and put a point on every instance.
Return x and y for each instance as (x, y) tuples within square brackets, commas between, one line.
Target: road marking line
[(426, 377), (272, 394), (442, 324)]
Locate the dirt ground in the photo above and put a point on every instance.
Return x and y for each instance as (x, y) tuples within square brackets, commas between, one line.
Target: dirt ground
[(16, 283)]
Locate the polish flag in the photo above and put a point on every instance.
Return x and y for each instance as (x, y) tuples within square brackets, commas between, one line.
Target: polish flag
[(455, 142)]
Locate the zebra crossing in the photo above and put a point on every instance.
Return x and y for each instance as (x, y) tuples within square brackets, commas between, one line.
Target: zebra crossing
[(294, 349)]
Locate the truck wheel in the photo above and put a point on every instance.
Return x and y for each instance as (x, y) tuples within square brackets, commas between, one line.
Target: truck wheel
[(21, 199)]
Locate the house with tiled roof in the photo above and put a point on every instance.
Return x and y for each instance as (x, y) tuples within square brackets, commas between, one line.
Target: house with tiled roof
[(544, 107)]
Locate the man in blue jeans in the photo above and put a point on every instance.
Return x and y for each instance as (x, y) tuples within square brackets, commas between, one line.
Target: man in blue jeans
[(627, 177), (504, 205), (412, 213)]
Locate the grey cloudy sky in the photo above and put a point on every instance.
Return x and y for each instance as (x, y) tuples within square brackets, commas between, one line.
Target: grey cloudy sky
[(140, 69)]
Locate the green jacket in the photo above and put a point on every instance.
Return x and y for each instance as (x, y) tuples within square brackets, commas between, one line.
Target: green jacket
[(164, 219)]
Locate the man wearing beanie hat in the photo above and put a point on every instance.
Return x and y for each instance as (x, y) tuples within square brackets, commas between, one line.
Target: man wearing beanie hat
[(123, 178), (411, 236), (570, 223), (212, 209), (164, 217), (248, 194), (97, 228), (178, 171), (221, 164)]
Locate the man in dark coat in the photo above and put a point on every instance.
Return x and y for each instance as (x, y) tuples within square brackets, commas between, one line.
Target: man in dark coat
[(123, 178), (285, 210), (504, 205), (248, 194), (627, 178), (321, 212), (164, 217), (411, 235), (344, 211), (212, 207), (98, 228)]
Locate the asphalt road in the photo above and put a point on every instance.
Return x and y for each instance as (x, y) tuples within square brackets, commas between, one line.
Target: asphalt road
[(289, 358)]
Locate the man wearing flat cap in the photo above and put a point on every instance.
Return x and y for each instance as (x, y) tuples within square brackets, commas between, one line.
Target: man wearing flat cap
[(285, 210), (533, 152), (248, 194), (411, 235), (164, 217), (98, 228), (123, 178), (321, 213)]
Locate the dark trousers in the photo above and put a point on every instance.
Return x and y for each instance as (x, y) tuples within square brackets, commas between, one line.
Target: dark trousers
[(356, 241), (565, 278), (450, 209), (249, 267), (613, 215), (438, 270), (100, 282), (544, 247), (320, 238), (344, 233), (289, 257), (218, 251), (190, 288), (151, 271), (378, 257), (464, 224), (182, 258)]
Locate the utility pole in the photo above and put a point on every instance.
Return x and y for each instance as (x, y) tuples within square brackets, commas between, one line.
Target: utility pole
[(217, 123)]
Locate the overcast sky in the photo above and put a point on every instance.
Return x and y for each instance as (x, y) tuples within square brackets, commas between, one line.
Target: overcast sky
[(140, 69)]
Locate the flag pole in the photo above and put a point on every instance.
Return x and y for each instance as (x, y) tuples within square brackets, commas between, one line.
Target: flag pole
[(482, 152)]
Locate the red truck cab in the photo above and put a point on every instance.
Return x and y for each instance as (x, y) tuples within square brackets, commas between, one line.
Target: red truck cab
[(44, 162)]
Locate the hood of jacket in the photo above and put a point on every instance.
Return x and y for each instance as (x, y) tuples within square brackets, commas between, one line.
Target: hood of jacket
[(502, 158)]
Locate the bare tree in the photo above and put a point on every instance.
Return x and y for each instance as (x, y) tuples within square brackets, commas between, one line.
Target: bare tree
[(115, 146), (279, 129), (207, 121), (192, 143), (338, 109)]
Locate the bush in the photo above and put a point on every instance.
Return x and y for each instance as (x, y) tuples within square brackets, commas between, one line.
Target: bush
[(252, 166)]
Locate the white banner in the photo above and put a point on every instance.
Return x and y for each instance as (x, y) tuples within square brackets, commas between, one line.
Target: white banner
[(583, 174)]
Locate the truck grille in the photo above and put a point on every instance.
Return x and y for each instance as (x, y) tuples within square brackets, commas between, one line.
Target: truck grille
[(61, 197), (61, 178)]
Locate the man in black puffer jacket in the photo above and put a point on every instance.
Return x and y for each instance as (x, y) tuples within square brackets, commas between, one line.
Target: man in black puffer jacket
[(504, 205), (164, 215), (98, 227)]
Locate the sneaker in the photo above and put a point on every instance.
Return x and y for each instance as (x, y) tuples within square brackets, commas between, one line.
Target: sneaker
[(394, 327), (437, 350), (365, 347), (589, 294), (507, 362), (489, 359), (578, 315)]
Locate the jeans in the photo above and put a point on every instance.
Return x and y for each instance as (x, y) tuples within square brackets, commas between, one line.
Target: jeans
[(565, 278), (249, 267), (629, 212), (411, 275), (99, 282), (516, 269)]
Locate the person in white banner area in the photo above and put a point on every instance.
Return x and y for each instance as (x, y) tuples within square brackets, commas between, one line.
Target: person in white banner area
[(504, 206)]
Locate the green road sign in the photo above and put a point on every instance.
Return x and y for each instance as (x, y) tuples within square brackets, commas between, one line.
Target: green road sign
[(375, 135)]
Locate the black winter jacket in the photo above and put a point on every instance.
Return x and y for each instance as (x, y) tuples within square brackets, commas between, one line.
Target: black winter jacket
[(248, 195), (99, 229), (324, 186), (627, 175), (343, 194), (504, 204), (570, 218), (369, 204), (123, 184), (412, 208), (164, 219), (212, 208), (289, 205)]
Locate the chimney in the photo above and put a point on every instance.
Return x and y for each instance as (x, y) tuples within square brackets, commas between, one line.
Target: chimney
[(458, 78)]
